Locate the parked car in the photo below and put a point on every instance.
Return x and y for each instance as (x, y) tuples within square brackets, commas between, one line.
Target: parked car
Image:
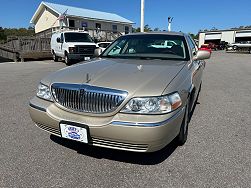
[(163, 44), (103, 45), (205, 47), (72, 45), (240, 46), (134, 98), (213, 46), (222, 45)]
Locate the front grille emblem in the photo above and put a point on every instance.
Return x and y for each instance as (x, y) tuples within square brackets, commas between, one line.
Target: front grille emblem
[(82, 92)]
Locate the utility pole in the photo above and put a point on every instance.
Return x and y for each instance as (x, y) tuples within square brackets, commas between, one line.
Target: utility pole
[(170, 19), (142, 26)]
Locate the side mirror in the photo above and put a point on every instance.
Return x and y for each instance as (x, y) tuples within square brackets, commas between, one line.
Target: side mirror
[(96, 40), (97, 52), (201, 55), (58, 40)]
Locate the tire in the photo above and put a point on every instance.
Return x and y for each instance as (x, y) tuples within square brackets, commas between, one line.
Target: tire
[(235, 48), (67, 60), (55, 57), (182, 136)]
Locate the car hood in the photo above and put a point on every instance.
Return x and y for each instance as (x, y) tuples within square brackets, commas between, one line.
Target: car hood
[(72, 44), (137, 77)]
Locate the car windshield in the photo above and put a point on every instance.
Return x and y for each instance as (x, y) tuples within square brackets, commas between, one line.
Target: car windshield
[(149, 46), (77, 37)]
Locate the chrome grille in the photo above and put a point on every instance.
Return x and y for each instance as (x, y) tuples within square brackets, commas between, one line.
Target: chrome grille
[(86, 50), (49, 129), (86, 98), (119, 145)]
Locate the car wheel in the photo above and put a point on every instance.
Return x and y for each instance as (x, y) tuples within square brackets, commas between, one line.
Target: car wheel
[(55, 57), (235, 48), (67, 60), (182, 136)]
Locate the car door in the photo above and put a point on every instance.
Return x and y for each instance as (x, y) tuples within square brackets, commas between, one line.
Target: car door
[(197, 65)]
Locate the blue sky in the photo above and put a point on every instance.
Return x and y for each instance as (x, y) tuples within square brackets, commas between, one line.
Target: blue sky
[(189, 15)]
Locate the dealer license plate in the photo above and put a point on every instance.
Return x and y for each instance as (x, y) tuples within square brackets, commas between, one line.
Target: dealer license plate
[(87, 58), (74, 132)]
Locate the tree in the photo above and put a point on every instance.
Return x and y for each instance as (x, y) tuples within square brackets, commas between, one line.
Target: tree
[(194, 36), (136, 30), (214, 29), (147, 28), (5, 32), (156, 29)]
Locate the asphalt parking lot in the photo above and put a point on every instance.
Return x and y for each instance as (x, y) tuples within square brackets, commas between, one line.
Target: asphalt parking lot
[(217, 153)]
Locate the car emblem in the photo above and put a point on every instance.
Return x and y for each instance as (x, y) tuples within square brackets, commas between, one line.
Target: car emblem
[(81, 92), (140, 67)]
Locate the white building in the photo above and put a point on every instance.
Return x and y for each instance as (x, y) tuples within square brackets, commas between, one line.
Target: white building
[(230, 36), (47, 14)]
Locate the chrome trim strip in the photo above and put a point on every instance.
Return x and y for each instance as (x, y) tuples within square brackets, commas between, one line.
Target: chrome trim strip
[(149, 124), (37, 107), (191, 88)]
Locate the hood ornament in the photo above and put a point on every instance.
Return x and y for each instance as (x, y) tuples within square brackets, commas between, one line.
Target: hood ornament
[(88, 78), (140, 67)]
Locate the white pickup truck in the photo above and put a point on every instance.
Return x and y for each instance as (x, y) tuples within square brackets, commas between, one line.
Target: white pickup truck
[(72, 45)]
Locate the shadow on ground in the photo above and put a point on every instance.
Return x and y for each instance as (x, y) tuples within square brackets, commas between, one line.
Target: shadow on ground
[(116, 155), (4, 60), (122, 156)]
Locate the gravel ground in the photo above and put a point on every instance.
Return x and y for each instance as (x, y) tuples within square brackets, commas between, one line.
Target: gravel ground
[(217, 153)]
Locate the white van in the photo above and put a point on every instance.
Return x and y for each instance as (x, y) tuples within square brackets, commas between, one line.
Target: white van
[(72, 45)]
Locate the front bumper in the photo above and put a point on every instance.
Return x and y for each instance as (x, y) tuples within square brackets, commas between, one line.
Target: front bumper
[(79, 56), (144, 133)]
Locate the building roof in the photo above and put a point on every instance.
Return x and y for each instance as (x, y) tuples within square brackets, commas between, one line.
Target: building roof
[(222, 30), (80, 12)]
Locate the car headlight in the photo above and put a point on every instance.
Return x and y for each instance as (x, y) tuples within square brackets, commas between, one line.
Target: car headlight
[(153, 105), (72, 50), (44, 92)]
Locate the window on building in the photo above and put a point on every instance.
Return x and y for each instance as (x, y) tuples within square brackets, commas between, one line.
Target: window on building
[(98, 25), (114, 28), (84, 24), (126, 30), (71, 23)]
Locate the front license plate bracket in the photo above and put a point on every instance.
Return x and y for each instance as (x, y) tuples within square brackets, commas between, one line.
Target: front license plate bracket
[(75, 131)]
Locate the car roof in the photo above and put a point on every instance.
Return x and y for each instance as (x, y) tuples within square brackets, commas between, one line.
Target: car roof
[(159, 33)]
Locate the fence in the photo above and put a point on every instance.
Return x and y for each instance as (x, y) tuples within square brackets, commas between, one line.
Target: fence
[(19, 48)]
